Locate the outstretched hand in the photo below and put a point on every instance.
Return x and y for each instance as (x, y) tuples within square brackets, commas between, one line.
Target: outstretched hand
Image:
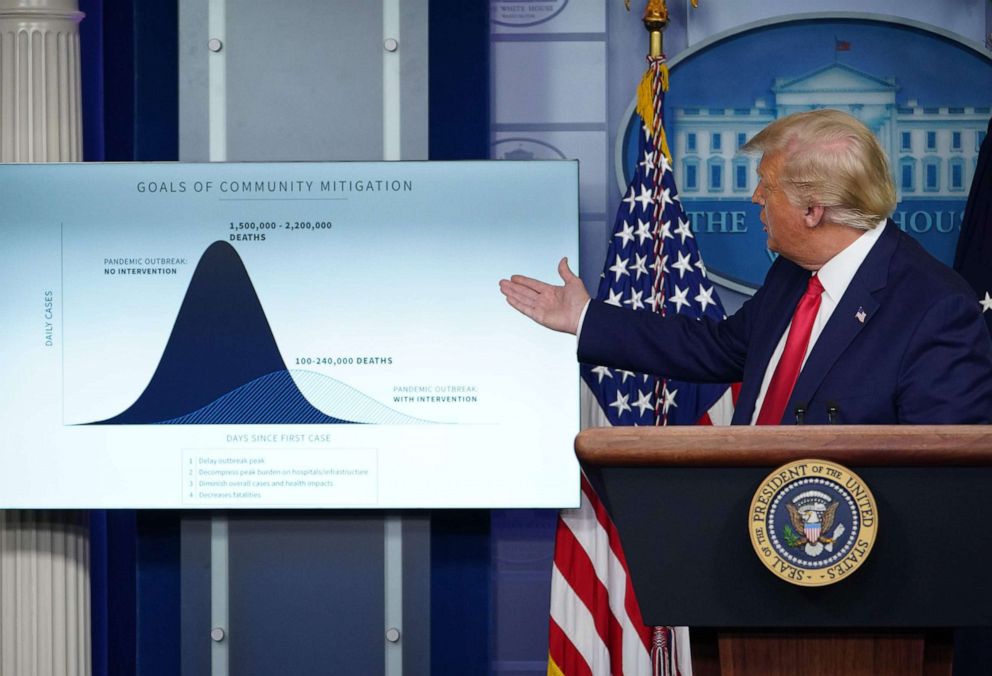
[(556, 307)]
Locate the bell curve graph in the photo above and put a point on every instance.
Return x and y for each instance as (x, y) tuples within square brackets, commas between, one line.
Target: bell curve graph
[(221, 364), (284, 335)]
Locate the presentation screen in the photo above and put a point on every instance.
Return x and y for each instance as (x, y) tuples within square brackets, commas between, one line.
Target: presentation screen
[(283, 335)]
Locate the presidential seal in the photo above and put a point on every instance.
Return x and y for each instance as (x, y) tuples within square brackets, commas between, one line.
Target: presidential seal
[(813, 522)]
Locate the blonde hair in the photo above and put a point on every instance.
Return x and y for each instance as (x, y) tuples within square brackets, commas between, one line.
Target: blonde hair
[(834, 161)]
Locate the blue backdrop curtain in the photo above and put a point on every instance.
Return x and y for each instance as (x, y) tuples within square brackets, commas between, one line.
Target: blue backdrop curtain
[(129, 64)]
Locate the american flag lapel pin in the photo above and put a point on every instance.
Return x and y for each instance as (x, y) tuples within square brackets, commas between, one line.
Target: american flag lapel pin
[(860, 315)]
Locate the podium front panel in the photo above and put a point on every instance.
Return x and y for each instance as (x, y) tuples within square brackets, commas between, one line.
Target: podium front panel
[(685, 537)]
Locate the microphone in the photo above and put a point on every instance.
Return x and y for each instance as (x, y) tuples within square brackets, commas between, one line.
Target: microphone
[(801, 413), (833, 412)]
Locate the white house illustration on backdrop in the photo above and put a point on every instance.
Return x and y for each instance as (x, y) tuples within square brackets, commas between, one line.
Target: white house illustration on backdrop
[(933, 151)]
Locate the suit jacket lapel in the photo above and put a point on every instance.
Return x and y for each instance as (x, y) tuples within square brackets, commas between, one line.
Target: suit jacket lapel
[(844, 324), (773, 318)]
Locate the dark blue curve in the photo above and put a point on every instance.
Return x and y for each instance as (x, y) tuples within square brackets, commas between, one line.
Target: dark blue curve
[(221, 341)]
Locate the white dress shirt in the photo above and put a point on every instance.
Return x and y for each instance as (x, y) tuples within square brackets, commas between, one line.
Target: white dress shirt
[(835, 276)]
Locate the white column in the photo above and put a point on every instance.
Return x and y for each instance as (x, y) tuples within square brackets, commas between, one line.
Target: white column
[(40, 118), (44, 555)]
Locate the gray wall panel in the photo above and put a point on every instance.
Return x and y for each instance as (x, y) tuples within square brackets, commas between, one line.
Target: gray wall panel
[(194, 130), (304, 81), (306, 594), (414, 79), (416, 636), (195, 643)]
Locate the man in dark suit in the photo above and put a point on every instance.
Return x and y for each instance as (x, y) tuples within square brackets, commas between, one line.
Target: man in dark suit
[(855, 322)]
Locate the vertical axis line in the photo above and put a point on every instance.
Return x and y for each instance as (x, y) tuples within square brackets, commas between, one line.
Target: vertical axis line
[(62, 310)]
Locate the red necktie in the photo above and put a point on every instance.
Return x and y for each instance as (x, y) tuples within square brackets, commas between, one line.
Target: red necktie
[(787, 370)]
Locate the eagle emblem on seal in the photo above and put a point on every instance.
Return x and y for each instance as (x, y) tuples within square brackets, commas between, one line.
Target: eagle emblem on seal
[(812, 516)]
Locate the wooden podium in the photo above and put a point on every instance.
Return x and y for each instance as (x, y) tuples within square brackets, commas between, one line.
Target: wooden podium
[(680, 499)]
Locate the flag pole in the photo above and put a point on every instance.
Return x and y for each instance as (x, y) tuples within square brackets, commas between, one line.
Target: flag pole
[(655, 19), (663, 651)]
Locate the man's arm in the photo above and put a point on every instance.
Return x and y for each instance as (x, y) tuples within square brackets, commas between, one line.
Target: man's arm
[(677, 347), (698, 350)]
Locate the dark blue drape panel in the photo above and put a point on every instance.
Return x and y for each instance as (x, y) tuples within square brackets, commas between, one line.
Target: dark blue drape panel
[(129, 68), (156, 83), (458, 100), (118, 80), (158, 596), (134, 587), (111, 532), (130, 71), (458, 96), (91, 67), (112, 591), (460, 593)]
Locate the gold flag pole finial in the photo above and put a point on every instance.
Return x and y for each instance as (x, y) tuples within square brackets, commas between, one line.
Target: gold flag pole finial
[(655, 20)]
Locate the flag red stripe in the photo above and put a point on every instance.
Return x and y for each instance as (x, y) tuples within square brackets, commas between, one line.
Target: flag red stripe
[(630, 600), (564, 654), (576, 567)]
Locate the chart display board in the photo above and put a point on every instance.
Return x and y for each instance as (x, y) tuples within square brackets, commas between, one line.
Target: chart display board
[(283, 335)]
